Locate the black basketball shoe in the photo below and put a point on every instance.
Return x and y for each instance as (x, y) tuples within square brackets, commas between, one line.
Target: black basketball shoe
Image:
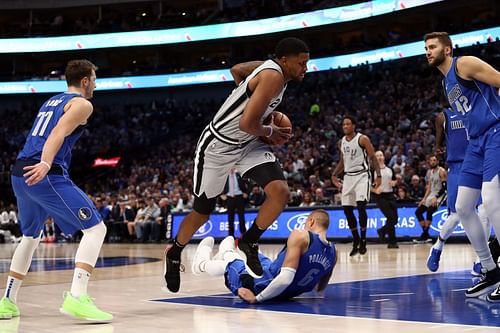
[(250, 255), (171, 269), (489, 281)]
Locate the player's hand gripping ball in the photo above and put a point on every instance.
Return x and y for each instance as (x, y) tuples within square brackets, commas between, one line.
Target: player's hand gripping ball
[(281, 121)]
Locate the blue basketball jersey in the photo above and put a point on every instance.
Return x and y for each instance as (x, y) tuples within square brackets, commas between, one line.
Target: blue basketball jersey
[(47, 118), (316, 262), (456, 136), (478, 101)]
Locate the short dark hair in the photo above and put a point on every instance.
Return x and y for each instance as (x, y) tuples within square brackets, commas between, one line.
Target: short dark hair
[(442, 36), (76, 70), (431, 156), (322, 217), (351, 118), (290, 46)]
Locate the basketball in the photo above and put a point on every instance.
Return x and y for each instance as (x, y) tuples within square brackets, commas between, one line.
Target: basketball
[(280, 120)]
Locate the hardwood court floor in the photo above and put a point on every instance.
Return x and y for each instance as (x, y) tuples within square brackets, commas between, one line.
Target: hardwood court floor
[(133, 291)]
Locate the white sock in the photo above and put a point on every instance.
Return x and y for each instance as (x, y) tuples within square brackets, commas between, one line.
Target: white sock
[(80, 281), (218, 267), (439, 244), (214, 267), (12, 288)]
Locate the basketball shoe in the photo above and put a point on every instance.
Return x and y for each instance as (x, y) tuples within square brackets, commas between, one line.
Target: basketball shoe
[(8, 309), (489, 281), (250, 255), (433, 259), (202, 254), (227, 245), (171, 270), (83, 308)]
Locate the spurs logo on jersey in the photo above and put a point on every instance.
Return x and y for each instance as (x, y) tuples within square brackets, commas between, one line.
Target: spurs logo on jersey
[(355, 157), (226, 123)]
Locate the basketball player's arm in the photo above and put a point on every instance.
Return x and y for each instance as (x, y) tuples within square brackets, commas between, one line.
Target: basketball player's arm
[(365, 142), (268, 84), (440, 122), (426, 194), (76, 113), (473, 68), (339, 168), (241, 71), (443, 176), (297, 243)]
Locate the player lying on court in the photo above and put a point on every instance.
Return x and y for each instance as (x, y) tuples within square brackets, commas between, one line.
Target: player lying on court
[(305, 264)]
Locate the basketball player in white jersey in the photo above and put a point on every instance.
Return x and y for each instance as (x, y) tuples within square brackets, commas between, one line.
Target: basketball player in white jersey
[(435, 189), (355, 150), (232, 140)]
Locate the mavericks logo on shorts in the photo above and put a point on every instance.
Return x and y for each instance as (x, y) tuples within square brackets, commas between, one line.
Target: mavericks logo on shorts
[(84, 213), (297, 222), (440, 217)]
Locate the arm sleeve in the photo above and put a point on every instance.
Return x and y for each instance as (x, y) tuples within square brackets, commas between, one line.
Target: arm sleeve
[(277, 285)]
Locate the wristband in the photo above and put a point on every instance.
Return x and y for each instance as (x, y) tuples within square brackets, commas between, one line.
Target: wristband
[(270, 133), (46, 164)]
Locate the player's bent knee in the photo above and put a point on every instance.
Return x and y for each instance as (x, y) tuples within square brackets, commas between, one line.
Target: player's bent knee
[(21, 260), (491, 192), (278, 190), (97, 231)]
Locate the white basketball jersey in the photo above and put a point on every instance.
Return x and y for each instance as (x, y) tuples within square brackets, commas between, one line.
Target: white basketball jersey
[(435, 181), (226, 123), (355, 157)]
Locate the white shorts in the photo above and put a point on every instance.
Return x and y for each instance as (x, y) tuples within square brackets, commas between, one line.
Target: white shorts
[(428, 200), (214, 159), (355, 188)]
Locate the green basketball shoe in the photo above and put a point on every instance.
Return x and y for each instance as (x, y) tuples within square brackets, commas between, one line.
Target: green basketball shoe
[(8, 309), (83, 308)]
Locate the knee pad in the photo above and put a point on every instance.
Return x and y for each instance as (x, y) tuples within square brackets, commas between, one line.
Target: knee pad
[(21, 260), (90, 245)]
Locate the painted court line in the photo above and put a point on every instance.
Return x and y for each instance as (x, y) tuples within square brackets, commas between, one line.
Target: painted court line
[(392, 294)]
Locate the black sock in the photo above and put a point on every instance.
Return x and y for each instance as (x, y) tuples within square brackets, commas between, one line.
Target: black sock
[(355, 237), (363, 234), (175, 250), (253, 234)]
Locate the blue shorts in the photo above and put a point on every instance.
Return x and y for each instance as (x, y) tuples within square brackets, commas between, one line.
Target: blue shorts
[(452, 184), (236, 269), (482, 161), (55, 196)]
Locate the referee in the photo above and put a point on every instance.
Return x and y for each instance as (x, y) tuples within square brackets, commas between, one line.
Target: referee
[(386, 201)]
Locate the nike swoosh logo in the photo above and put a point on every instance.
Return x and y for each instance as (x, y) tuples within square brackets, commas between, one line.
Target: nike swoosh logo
[(453, 116)]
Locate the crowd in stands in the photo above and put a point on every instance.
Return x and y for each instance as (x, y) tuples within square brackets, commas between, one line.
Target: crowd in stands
[(149, 15), (170, 59), (395, 104)]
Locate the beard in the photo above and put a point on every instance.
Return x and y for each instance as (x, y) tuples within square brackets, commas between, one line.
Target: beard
[(438, 60)]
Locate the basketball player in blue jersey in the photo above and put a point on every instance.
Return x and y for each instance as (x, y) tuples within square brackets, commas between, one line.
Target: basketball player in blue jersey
[(43, 188), (305, 264), (471, 86), (232, 140), (450, 128)]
